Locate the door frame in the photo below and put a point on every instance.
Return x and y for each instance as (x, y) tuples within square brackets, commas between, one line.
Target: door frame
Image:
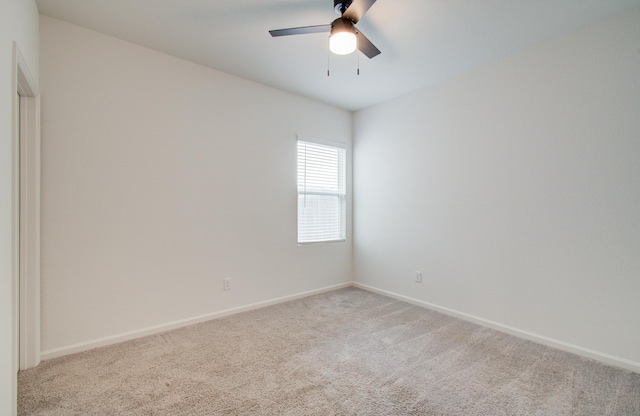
[(25, 205)]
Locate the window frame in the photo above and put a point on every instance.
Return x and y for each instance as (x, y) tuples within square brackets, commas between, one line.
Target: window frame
[(342, 176)]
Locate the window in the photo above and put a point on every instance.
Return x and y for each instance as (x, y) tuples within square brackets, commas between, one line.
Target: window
[(321, 192)]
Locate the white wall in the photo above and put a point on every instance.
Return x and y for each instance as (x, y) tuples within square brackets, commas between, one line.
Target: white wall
[(161, 177), (19, 23), (515, 189)]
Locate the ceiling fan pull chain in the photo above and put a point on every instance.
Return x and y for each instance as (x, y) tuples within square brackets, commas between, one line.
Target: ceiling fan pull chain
[(358, 53)]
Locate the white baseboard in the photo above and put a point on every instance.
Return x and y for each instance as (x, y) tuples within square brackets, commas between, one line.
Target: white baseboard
[(126, 336), (575, 349), (114, 339)]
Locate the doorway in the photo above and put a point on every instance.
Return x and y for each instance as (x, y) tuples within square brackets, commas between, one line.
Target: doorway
[(25, 216)]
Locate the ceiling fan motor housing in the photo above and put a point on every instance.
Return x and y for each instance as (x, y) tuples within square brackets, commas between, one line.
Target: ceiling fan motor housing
[(341, 6), (342, 24)]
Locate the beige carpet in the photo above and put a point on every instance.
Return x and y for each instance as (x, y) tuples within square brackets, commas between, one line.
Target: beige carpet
[(347, 352)]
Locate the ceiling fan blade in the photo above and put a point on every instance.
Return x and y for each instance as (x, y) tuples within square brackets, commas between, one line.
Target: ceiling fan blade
[(357, 9), (301, 30), (366, 47)]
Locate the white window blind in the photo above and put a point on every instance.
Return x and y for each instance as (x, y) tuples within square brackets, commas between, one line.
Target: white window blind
[(321, 192)]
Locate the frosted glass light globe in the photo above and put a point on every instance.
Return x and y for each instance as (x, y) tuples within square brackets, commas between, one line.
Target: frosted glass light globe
[(343, 43)]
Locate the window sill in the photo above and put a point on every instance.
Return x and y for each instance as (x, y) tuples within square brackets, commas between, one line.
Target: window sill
[(307, 243)]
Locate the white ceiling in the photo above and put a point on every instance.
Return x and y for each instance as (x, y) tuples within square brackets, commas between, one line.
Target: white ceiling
[(422, 41)]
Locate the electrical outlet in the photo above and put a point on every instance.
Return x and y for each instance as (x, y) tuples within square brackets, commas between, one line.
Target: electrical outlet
[(226, 283), (419, 277)]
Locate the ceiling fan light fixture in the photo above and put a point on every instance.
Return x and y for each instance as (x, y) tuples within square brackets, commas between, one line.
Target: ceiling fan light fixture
[(343, 43), (342, 40)]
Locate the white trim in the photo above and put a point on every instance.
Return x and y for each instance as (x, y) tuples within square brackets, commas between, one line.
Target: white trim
[(308, 243), (26, 273), (126, 336), (325, 142), (561, 345), (585, 352)]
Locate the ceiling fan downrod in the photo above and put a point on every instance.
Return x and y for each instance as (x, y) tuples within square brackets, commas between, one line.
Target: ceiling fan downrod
[(341, 6)]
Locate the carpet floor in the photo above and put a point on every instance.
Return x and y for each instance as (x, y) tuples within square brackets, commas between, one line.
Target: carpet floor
[(346, 352)]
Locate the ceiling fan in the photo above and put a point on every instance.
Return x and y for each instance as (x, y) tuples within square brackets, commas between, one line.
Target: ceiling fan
[(344, 38)]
